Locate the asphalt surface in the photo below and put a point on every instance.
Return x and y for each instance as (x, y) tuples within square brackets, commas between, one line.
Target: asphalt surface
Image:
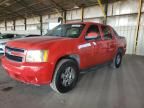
[(100, 87)]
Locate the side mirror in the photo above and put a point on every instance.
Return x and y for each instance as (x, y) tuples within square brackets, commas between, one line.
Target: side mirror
[(92, 35)]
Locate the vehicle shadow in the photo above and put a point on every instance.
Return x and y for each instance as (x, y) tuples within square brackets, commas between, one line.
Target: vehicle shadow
[(93, 70)]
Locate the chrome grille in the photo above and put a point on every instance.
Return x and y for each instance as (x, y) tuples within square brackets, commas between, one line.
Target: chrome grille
[(14, 54), (14, 49)]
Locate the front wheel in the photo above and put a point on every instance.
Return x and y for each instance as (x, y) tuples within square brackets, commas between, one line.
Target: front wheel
[(117, 60), (65, 77)]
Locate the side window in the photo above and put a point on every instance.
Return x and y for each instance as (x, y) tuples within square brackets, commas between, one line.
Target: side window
[(107, 33), (94, 29)]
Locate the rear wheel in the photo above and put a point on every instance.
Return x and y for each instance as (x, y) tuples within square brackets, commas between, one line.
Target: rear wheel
[(117, 60), (65, 77)]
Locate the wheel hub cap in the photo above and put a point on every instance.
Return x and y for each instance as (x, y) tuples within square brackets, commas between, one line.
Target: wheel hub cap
[(118, 60), (68, 76)]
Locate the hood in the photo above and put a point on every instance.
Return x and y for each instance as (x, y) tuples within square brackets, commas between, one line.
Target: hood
[(36, 42), (4, 40)]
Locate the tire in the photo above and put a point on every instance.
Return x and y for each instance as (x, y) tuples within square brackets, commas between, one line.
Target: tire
[(116, 63), (65, 76)]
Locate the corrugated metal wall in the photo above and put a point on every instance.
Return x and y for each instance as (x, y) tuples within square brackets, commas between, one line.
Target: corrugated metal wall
[(20, 27), (125, 26), (122, 15), (140, 46), (33, 25)]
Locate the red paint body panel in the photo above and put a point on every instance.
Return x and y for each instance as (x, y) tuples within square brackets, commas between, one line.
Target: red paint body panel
[(38, 73), (95, 52)]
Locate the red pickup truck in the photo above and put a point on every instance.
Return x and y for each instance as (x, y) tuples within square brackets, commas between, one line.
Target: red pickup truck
[(57, 58)]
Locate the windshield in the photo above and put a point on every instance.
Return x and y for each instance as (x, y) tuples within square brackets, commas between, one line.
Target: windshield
[(67, 30)]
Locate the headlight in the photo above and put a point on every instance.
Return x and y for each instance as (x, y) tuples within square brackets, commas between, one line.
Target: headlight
[(37, 56)]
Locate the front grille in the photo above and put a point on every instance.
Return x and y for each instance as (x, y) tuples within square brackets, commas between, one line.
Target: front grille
[(15, 49), (14, 58), (10, 54)]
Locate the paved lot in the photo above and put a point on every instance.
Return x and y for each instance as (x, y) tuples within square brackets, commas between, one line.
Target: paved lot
[(100, 87)]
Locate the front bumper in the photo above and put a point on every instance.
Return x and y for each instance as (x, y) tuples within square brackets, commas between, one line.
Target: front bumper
[(31, 73)]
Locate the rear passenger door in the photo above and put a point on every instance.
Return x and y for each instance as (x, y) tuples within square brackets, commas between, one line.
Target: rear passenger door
[(109, 42)]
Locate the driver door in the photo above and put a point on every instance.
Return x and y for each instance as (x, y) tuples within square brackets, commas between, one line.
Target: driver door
[(95, 43)]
